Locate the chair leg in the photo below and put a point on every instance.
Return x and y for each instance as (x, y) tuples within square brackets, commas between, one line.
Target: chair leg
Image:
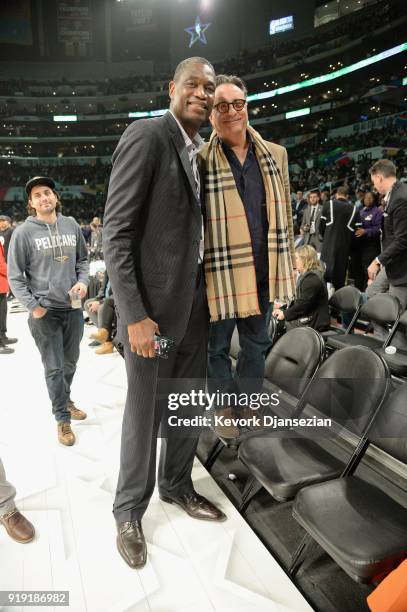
[(214, 453), (251, 489), (298, 556)]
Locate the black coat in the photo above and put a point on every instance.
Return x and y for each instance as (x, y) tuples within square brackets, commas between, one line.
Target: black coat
[(394, 236), (337, 226), (152, 227), (311, 301)]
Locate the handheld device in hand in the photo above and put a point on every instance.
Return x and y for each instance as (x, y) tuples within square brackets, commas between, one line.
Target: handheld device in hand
[(162, 346), (76, 301)]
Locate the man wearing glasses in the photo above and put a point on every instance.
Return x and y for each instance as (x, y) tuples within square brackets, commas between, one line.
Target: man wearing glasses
[(249, 241)]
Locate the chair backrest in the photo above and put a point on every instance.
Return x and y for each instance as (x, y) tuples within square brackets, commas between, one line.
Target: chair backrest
[(294, 359), (382, 308), (347, 299), (389, 431), (349, 388), (403, 319)]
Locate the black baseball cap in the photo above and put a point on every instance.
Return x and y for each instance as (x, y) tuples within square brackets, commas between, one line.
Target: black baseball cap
[(39, 180)]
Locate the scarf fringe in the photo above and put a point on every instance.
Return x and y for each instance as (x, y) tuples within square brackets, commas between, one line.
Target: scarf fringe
[(235, 315)]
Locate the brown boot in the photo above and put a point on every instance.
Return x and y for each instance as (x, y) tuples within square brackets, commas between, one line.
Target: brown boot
[(243, 417), (18, 527), (221, 426), (65, 434), (76, 414), (101, 335), (105, 349)]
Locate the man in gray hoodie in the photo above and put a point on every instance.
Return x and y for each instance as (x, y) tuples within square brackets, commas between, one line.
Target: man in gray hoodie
[(48, 274)]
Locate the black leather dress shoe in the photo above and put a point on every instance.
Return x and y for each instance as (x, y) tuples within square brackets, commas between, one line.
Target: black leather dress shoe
[(196, 506), (131, 544)]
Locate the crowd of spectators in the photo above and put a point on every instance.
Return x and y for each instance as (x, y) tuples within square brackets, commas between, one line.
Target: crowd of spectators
[(310, 161), (68, 88), (50, 128), (353, 91), (83, 209), (245, 63), (353, 174), (63, 149), (66, 174), (315, 152), (346, 31), (327, 178)]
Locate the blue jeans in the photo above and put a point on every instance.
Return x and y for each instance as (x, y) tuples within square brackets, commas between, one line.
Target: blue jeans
[(58, 335), (254, 343)]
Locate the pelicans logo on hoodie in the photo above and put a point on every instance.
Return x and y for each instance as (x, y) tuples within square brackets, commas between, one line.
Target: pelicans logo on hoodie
[(55, 241)]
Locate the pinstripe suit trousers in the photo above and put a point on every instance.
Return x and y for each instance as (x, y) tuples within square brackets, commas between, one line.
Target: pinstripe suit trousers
[(144, 413), (7, 493)]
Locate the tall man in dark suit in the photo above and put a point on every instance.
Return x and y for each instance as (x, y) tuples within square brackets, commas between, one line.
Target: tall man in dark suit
[(153, 246), (389, 269)]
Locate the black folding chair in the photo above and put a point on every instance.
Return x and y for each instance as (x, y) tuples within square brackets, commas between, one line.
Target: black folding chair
[(362, 524), (348, 388)]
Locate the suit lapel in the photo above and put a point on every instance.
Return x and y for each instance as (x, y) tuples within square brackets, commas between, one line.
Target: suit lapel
[(201, 170), (180, 147)]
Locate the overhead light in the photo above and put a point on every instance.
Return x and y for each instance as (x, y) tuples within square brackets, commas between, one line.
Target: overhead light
[(65, 118), (298, 113)]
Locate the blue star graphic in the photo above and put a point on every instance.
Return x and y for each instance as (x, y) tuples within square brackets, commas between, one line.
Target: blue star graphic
[(197, 32)]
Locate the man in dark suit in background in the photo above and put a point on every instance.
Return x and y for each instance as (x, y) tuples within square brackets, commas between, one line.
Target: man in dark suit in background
[(389, 269), (153, 247), (310, 221), (337, 227), (298, 207)]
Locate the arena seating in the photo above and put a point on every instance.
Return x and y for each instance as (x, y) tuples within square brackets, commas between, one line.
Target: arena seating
[(361, 520), (284, 461), (397, 361), (346, 301), (382, 309)]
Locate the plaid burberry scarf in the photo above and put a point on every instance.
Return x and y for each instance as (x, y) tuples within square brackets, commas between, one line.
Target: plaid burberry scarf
[(229, 263)]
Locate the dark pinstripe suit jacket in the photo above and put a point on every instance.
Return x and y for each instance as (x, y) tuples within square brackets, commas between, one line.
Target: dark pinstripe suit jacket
[(152, 227)]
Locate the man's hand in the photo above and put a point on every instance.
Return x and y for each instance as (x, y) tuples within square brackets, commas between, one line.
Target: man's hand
[(39, 312), (360, 232), (80, 288), (373, 270), (94, 306), (141, 337), (279, 315)]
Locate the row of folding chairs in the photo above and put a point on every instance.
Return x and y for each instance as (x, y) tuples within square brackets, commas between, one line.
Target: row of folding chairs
[(360, 523), (383, 310)]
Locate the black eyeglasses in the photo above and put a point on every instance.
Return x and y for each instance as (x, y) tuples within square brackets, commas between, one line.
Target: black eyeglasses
[(223, 107)]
